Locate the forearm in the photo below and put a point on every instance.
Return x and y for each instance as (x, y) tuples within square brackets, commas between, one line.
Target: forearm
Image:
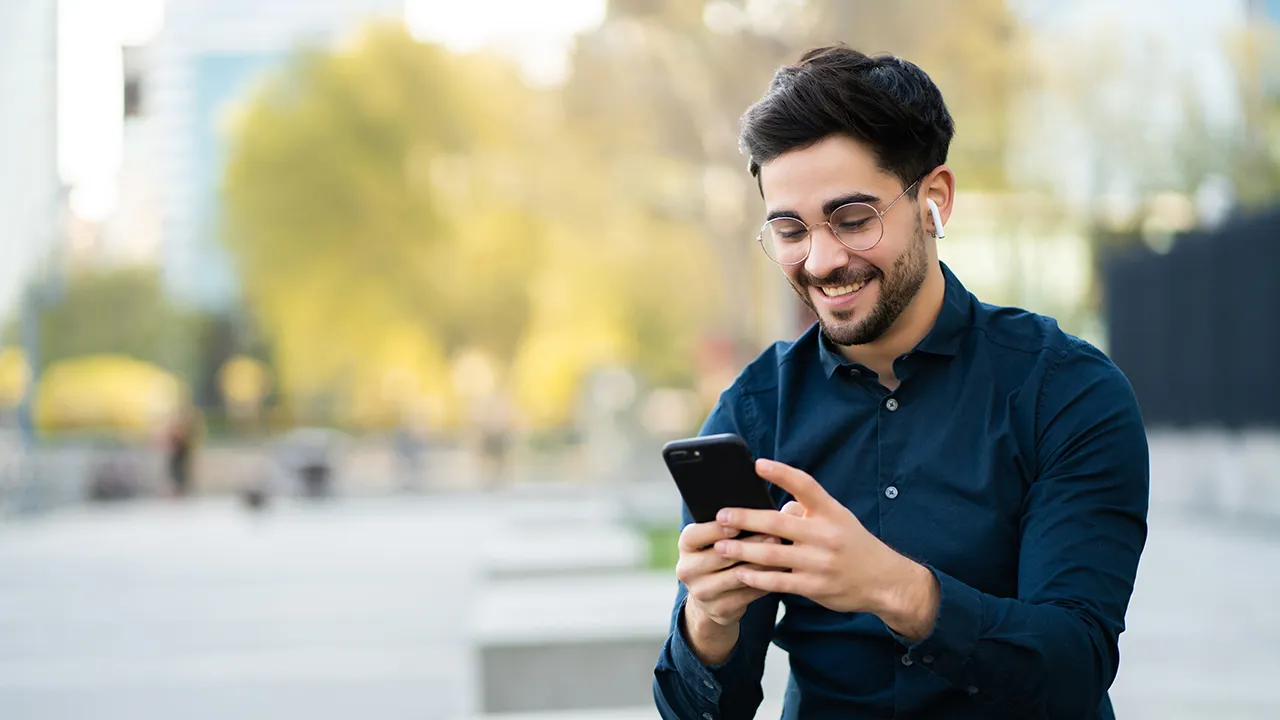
[(909, 600), (1047, 660), (685, 686)]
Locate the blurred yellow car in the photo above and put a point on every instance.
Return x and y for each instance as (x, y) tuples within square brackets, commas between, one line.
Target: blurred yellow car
[(106, 392)]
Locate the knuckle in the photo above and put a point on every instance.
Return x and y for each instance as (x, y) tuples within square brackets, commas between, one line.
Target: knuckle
[(767, 554), (693, 537), (683, 572)]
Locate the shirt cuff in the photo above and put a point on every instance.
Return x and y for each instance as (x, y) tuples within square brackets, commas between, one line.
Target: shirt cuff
[(948, 649)]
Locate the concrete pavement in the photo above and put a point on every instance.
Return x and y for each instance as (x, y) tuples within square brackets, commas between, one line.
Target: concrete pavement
[(356, 608)]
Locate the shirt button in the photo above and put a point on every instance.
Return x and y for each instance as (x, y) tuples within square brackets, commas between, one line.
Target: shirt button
[(891, 404), (891, 492), (907, 661), (707, 716), (927, 659), (709, 684), (972, 690)]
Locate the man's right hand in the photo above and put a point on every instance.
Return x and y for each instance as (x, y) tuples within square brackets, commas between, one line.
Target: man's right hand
[(716, 599)]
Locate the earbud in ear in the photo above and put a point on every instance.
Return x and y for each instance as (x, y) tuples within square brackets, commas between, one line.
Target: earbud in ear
[(937, 218)]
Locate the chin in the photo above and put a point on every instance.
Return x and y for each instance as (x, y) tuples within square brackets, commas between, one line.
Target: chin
[(840, 330)]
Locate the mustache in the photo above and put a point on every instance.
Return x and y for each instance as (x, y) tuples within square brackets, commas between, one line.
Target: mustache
[(843, 276)]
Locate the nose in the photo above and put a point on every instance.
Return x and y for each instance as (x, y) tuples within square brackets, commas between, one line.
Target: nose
[(826, 253)]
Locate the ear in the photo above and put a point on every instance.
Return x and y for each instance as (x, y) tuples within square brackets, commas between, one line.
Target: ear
[(938, 189)]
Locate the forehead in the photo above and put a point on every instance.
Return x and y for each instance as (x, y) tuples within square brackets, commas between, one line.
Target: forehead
[(802, 180)]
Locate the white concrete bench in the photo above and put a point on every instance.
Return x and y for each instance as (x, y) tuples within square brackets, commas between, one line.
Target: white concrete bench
[(570, 642), (581, 643)]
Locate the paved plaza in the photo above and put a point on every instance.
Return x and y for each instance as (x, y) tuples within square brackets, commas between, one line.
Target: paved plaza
[(361, 608)]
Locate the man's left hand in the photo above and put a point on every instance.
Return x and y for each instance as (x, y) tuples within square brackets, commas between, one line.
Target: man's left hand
[(832, 559)]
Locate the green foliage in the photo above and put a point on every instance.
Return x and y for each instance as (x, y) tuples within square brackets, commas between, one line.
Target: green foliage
[(115, 311), (392, 208)]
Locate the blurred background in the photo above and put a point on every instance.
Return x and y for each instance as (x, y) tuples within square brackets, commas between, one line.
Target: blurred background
[(338, 337)]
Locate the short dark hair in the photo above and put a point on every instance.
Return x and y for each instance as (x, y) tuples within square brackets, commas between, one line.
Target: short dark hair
[(888, 104)]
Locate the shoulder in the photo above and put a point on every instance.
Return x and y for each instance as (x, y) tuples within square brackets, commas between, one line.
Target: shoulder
[(764, 373), (1012, 332), (749, 404)]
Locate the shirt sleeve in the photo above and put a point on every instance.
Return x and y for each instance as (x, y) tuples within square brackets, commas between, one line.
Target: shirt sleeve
[(684, 688), (1053, 651)]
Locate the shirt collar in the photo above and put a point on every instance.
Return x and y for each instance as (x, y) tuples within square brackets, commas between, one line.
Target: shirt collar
[(954, 318)]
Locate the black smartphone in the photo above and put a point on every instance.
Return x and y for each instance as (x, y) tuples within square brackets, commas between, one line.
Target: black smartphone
[(714, 472)]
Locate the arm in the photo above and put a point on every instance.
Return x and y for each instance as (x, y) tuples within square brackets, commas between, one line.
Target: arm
[(728, 685), (684, 687), (1053, 652)]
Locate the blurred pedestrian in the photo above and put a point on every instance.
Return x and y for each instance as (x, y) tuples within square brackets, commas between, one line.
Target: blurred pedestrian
[(181, 441)]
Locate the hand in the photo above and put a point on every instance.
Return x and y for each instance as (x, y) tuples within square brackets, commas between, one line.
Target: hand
[(715, 592), (833, 560)]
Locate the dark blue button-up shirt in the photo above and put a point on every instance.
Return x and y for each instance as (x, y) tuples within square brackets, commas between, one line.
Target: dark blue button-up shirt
[(1011, 461)]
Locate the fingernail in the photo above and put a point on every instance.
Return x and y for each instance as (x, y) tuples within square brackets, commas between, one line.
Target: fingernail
[(730, 531), (724, 516), (766, 465), (722, 546)]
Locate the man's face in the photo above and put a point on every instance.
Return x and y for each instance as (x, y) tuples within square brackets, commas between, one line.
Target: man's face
[(887, 277)]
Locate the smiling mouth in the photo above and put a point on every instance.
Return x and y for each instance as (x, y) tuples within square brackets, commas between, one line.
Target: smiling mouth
[(839, 290)]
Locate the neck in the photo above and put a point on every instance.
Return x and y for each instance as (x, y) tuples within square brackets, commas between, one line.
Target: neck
[(907, 332)]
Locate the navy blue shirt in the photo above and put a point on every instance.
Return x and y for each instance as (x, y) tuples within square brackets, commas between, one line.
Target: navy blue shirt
[(1011, 461)]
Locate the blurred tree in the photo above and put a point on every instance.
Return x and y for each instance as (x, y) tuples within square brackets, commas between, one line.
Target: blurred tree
[(120, 311), (973, 50), (656, 94), (360, 206), (393, 208), (1255, 55)]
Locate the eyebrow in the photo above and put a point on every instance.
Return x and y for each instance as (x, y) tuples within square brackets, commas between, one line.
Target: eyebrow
[(828, 207)]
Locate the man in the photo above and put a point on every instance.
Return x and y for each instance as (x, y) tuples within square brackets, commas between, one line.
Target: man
[(963, 487)]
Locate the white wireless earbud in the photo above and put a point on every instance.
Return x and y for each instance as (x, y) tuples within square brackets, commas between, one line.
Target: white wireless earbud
[(937, 218)]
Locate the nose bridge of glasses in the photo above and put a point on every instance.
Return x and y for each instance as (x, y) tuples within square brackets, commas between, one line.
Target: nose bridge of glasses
[(834, 245)]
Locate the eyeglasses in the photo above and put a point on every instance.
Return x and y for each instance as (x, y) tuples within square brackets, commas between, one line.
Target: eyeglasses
[(858, 226)]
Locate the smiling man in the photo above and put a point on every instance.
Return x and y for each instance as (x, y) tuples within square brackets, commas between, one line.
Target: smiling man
[(963, 488)]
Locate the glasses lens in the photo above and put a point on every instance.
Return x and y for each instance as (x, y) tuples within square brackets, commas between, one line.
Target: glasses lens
[(785, 240), (857, 225)]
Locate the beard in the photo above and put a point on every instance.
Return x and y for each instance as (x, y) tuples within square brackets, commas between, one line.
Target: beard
[(897, 289)]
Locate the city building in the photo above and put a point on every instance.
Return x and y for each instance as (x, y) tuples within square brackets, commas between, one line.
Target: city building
[(29, 186), (205, 61)]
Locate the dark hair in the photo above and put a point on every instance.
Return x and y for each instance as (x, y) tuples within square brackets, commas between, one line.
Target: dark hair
[(888, 104)]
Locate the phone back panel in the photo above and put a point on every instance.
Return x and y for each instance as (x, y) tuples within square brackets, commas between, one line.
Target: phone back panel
[(714, 472)]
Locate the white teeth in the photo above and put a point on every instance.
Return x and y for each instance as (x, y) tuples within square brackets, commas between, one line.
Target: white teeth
[(842, 290)]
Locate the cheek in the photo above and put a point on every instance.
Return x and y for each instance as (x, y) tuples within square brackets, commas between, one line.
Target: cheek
[(885, 257)]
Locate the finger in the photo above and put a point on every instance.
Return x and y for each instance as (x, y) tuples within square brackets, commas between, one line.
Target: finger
[(697, 536), (766, 522), (793, 508), (790, 557), (800, 484), (734, 601), (707, 587), (694, 565), (773, 581), (732, 604)]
